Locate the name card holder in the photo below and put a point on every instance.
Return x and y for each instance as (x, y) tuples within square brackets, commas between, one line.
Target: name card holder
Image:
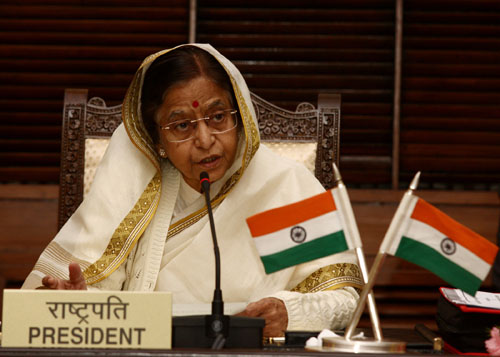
[(86, 319)]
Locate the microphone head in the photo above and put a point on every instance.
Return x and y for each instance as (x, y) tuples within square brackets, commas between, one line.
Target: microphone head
[(204, 176), (204, 181)]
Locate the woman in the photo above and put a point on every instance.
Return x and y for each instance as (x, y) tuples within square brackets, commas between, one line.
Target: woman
[(144, 227)]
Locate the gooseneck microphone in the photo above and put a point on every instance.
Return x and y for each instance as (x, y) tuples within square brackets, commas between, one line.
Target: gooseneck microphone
[(217, 323), (217, 304), (216, 330)]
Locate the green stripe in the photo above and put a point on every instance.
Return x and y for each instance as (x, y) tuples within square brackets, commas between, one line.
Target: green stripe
[(320, 247), (428, 258)]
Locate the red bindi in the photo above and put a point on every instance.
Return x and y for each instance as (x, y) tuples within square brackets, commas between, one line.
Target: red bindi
[(195, 104)]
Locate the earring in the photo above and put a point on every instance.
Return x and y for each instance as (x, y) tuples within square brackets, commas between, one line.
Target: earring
[(162, 152)]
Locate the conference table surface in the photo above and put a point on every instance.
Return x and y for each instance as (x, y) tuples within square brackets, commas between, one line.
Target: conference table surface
[(417, 345), (266, 352)]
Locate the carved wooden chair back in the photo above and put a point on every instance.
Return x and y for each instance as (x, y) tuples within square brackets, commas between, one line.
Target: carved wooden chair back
[(310, 134)]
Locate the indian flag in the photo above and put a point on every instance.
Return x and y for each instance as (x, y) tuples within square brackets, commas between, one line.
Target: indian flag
[(429, 238), (300, 232)]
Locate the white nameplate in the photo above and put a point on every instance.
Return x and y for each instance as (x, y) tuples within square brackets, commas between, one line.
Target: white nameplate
[(90, 319)]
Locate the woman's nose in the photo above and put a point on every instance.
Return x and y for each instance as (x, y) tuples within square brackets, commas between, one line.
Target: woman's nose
[(203, 135)]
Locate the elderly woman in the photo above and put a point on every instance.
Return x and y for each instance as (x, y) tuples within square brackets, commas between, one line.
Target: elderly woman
[(144, 224)]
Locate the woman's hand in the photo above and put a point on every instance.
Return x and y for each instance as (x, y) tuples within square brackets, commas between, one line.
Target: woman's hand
[(273, 310), (76, 280)]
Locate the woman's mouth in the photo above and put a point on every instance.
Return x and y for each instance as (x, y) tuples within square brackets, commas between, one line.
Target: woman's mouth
[(210, 162)]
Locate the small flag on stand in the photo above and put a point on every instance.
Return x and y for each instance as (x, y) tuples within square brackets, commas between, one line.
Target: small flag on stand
[(429, 238), (300, 232)]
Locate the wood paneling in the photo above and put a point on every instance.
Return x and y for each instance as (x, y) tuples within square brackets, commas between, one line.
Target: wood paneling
[(289, 51), (451, 93), (47, 46), (29, 222)]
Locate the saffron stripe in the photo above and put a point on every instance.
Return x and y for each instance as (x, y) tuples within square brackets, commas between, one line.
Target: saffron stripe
[(327, 245), (290, 215), (281, 240), (428, 258), (433, 238), (467, 238)]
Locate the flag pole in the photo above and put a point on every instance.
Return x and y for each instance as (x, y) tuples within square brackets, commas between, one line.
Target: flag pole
[(352, 231), (364, 293), (379, 258)]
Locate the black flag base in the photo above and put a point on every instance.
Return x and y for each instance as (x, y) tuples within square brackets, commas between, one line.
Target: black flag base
[(360, 345)]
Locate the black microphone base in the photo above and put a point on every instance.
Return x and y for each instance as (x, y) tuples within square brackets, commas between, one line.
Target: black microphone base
[(243, 332)]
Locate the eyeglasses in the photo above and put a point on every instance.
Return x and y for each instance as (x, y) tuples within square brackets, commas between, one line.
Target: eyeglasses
[(219, 122)]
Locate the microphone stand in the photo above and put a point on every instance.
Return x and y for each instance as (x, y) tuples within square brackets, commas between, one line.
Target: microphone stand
[(217, 324), (216, 330)]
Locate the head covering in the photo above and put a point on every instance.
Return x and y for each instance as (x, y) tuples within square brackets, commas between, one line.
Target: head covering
[(126, 190)]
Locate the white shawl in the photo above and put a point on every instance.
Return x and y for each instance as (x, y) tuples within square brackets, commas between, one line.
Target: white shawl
[(124, 237)]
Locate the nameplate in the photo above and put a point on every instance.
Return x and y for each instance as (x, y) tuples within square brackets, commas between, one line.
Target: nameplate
[(87, 319)]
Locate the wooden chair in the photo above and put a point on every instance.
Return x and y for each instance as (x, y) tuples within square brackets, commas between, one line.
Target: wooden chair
[(88, 124)]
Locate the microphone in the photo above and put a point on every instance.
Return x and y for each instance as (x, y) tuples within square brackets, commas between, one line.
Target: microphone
[(216, 330), (217, 323), (217, 303)]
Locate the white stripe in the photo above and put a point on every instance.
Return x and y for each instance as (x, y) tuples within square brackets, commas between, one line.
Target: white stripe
[(346, 217), (463, 257), (398, 224), (316, 227)]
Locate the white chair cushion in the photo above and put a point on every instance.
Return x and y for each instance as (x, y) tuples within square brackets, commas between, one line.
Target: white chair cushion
[(304, 153)]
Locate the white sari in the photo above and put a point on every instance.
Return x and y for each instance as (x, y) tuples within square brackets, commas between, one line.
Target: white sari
[(142, 228)]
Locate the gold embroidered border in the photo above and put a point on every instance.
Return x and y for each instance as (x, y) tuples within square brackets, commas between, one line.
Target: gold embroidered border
[(331, 277), (127, 234), (133, 124), (132, 117), (251, 131), (133, 225)]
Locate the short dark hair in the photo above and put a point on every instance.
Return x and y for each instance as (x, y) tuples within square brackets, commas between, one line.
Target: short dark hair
[(176, 66)]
